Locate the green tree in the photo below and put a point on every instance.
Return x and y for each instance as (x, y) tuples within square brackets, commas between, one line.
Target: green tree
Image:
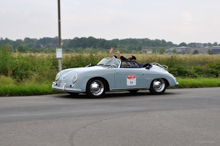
[(34, 50), (174, 51), (162, 50), (48, 45), (209, 44), (182, 44), (154, 51), (139, 48), (21, 49), (215, 44), (170, 44), (195, 52), (210, 52)]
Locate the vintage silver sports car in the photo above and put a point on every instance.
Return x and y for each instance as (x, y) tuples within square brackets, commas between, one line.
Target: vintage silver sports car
[(111, 74)]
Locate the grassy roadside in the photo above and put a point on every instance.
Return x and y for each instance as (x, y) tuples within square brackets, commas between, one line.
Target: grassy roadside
[(46, 88), (198, 82), (27, 89)]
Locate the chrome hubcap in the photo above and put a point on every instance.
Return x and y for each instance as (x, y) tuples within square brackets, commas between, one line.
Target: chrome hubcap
[(96, 87), (159, 85)]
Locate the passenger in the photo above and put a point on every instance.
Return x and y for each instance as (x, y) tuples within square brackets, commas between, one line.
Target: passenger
[(115, 61), (131, 58)]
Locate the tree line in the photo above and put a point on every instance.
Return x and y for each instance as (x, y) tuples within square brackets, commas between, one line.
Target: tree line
[(85, 44)]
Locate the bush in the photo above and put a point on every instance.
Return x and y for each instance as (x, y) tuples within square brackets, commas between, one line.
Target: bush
[(6, 81), (183, 71), (44, 67), (6, 61), (24, 66)]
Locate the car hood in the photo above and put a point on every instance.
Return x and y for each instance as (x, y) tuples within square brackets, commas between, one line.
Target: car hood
[(82, 69)]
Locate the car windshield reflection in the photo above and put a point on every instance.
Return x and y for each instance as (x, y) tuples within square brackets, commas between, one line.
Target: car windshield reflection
[(109, 62)]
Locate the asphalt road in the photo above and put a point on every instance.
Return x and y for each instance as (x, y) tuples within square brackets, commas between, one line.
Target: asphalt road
[(180, 117)]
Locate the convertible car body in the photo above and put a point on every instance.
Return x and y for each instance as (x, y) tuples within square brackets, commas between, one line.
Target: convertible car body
[(111, 74)]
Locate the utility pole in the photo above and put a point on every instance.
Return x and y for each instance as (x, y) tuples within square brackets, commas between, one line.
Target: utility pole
[(59, 50)]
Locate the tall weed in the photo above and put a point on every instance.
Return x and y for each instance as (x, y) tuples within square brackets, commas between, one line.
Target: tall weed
[(39, 67), (6, 61)]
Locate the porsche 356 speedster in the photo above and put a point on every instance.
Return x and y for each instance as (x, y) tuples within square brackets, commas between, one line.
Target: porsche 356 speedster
[(110, 76)]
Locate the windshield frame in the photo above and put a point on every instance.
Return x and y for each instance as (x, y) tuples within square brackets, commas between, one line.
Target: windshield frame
[(108, 61)]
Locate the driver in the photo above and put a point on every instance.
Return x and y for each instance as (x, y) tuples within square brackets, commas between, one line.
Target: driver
[(115, 61), (131, 58)]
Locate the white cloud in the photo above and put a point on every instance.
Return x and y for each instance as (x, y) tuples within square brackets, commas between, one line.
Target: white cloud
[(113, 2), (163, 19), (186, 16)]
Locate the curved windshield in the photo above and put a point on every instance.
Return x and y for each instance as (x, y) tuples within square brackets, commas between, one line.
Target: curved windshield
[(109, 62)]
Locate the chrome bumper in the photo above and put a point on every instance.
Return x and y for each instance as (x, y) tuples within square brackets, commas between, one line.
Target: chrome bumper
[(177, 84), (64, 89)]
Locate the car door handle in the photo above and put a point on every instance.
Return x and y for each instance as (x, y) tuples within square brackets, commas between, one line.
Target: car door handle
[(142, 73)]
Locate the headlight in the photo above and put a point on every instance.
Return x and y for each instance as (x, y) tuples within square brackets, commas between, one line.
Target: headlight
[(74, 78), (57, 77)]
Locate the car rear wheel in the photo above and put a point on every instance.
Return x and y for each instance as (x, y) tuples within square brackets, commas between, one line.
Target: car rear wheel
[(96, 88), (158, 86)]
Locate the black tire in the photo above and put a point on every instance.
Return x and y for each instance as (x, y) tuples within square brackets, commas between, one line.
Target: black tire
[(133, 91), (158, 86), (96, 88), (73, 94)]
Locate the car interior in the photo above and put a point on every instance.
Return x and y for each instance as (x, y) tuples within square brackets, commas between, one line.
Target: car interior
[(134, 64)]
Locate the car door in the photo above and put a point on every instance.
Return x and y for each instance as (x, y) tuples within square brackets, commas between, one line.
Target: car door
[(128, 78)]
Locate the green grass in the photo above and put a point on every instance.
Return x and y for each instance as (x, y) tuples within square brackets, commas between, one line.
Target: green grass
[(198, 82), (23, 90), (30, 88)]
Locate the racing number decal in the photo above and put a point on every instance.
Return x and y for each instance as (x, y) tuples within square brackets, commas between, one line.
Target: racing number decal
[(131, 80)]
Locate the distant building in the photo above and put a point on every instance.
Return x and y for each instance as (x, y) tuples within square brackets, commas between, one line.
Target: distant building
[(201, 50), (169, 51), (148, 51), (215, 49), (188, 50), (179, 50)]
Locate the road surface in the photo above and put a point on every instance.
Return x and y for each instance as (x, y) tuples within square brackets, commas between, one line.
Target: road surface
[(189, 117)]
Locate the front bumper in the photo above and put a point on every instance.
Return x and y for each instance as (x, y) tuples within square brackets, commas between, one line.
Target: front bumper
[(64, 88), (177, 84)]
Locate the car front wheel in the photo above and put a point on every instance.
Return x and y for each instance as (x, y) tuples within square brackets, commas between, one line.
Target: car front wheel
[(96, 88), (158, 86)]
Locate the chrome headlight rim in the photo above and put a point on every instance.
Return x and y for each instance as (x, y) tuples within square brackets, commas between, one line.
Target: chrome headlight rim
[(57, 77), (75, 77)]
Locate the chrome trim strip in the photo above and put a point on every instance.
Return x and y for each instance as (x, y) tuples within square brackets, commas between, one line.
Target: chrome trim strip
[(68, 73), (161, 66), (119, 63), (77, 90), (141, 73), (65, 89), (98, 74), (114, 89), (108, 73)]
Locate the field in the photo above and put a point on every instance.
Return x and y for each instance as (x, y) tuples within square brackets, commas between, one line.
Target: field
[(35, 72)]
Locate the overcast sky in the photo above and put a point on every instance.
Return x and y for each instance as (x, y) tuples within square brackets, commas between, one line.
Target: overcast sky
[(173, 20)]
